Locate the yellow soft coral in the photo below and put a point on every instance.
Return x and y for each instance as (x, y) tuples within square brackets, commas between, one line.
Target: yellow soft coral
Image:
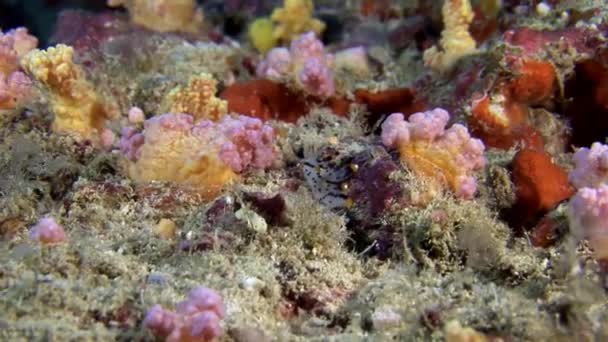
[(456, 41), (198, 99), (164, 15), (294, 18), (177, 151), (261, 34), (77, 107)]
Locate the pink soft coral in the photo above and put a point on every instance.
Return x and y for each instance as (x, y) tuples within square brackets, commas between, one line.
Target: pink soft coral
[(306, 63), (195, 319), (589, 207), (249, 142), (13, 89), (204, 156), (47, 231), (277, 64), (14, 44), (316, 78), (447, 157), (589, 217), (130, 143), (14, 85), (591, 166)]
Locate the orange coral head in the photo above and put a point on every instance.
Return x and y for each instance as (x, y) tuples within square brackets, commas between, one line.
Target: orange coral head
[(502, 123), (534, 82), (539, 185)]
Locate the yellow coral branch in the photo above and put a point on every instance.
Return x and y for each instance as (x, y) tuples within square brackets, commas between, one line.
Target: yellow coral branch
[(294, 18), (456, 41), (77, 107)]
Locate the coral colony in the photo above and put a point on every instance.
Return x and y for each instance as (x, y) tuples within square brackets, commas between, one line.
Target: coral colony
[(307, 170)]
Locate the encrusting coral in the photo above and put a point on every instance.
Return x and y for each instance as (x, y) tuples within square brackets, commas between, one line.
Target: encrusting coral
[(78, 108), (197, 99), (456, 41), (295, 18), (14, 84), (164, 15), (446, 157)]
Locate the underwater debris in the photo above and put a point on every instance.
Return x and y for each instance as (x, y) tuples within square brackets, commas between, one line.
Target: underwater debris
[(446, 157), (164, 15), (78, 108), (195, 319), (197, 99), (456, 41)]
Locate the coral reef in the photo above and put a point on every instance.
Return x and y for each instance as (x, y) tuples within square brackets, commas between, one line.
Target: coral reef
[(408, 171)]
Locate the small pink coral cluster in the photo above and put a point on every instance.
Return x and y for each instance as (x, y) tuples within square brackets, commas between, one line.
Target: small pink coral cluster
[(589, 206), (47, 231), (130, 143), (241, 141), (306, 62), (249, 142), (195, 319), (14, 84), (432, 151)]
